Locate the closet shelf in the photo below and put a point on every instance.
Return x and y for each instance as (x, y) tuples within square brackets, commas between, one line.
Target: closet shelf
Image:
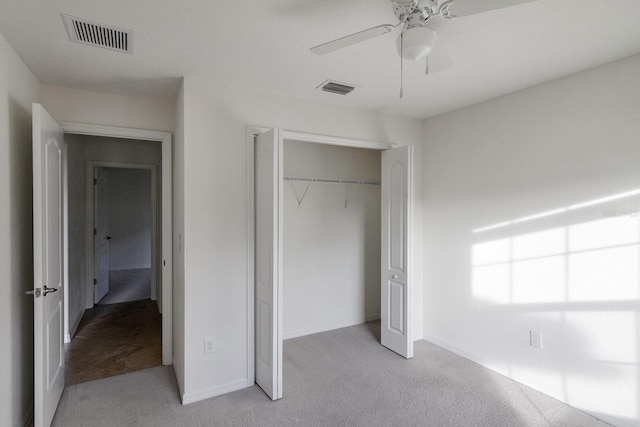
[(330, 181), (310, 181)]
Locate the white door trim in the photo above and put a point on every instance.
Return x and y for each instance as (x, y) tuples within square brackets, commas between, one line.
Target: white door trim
[(251, 132), (167, 214)]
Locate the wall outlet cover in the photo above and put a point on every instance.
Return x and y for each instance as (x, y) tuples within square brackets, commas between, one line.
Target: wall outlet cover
[(535, 339), (209, 345)]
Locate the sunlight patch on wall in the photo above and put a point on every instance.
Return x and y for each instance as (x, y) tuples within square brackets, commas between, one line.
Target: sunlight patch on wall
[(580, 264), (539, 280), (604, 275), (574, 207), (602, 233), (589, 261), (492, 283)]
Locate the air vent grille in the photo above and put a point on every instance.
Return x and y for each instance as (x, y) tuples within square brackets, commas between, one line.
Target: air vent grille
[(100, 35), (335, 87)]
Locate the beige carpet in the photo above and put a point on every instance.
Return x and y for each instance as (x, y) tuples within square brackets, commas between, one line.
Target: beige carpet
[(337, 378)]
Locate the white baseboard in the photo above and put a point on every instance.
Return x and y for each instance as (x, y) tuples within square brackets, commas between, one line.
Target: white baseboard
[(328, 327), (73, 328), (556, 394), (130, 267), (188, 398)]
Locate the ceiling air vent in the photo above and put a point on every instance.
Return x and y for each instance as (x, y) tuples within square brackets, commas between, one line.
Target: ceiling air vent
[(335, 87), (94, 34)]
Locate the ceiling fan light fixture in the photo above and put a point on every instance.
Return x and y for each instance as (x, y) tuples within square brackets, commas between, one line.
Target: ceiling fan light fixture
[(416, 43)]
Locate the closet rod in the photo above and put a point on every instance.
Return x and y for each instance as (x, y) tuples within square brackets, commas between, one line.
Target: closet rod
[(330, 181)]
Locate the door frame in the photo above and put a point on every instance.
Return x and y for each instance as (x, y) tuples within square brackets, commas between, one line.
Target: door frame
[(91, 166), (251, 133), (167, 214)]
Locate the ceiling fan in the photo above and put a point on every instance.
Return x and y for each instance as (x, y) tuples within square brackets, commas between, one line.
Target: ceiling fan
[(416, 40)]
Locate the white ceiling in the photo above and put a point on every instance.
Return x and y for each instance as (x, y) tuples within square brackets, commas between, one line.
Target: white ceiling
[(264, 45)]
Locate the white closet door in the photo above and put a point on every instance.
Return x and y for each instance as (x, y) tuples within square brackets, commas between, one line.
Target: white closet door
[(268, 190), (48, 266), (395, 310)]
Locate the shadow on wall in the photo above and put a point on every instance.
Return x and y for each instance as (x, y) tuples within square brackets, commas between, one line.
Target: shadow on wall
[(572, 276), (20, 263)]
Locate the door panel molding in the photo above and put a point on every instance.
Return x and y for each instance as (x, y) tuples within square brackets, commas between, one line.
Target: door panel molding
[(395, 266), (48, 265)]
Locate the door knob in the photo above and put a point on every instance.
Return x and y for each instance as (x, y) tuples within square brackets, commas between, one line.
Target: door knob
[(108, 237), (395, 276), (48, 290)]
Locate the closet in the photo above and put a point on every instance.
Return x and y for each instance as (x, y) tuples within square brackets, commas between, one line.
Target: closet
[(331, 244), (339, 207)]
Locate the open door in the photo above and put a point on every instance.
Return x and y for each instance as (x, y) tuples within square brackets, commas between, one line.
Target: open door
[(268, 304), (101, 234), (48, 266), (397, 164)]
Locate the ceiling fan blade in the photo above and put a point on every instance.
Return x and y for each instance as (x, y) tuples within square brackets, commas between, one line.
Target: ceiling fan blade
[(352, 39), (471, 7), (439, 59)]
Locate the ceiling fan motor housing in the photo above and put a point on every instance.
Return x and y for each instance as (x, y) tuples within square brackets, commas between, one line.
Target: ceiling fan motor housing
[(416, 43)]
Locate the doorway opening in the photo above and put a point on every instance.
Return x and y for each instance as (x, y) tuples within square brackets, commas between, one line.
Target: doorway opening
[(114, 299), (54, 227)]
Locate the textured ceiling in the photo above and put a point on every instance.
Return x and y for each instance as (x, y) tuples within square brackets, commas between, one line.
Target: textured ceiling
[(264, 45)]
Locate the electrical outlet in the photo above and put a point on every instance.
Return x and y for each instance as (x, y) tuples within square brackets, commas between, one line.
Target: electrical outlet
[(535, 339), (209, 345)]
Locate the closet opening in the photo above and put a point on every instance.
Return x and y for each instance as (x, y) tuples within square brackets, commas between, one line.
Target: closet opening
[(329, 243)]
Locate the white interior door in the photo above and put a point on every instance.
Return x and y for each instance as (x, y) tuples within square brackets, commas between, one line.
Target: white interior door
[(101, 234), (268, 304), (395, 310), (48, 266)]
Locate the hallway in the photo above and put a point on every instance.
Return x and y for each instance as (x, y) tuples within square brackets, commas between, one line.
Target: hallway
[(114, 339)]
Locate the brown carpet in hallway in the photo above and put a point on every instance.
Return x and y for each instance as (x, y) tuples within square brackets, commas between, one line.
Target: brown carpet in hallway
[(114, 339)]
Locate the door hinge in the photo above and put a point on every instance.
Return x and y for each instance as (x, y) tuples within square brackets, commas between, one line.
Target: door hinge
[(95, 181), (95, 281), (95, 231)]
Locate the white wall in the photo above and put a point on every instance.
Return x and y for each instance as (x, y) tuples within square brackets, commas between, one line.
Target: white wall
[(212, 162), (75, 105), (18, 89), (130, 219), (543, 150), (331, 266)]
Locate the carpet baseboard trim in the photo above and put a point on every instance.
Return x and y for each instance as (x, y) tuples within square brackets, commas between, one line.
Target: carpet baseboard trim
[(188, 398), (73, 327), (329, 327), (556, 394), (130, 267)]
